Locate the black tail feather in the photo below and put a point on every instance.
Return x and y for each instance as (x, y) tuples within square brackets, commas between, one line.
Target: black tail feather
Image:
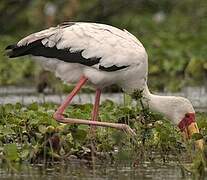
[(14, 50), (12, 46)]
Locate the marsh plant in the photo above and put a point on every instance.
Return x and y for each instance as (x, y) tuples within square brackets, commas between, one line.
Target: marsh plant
[(30, 134)]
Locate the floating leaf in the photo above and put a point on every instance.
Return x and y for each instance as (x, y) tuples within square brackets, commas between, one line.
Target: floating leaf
[(50, 129), (59, 128), (42, 129), (10, 151)]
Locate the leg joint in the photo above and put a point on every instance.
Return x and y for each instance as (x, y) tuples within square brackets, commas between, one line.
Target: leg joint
[(58, 116)]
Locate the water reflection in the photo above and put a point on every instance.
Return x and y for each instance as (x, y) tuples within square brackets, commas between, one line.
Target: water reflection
[(78, 170)]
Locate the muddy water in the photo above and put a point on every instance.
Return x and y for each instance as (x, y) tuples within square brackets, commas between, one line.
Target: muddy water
[(78, 171)]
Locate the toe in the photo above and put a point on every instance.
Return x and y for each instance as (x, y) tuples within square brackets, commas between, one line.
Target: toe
[(58, 116)]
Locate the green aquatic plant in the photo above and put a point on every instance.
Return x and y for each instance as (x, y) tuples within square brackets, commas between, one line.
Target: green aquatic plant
[(30, 134)]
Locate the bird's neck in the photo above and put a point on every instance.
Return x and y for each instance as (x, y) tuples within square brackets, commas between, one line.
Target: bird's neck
[(161, 104)]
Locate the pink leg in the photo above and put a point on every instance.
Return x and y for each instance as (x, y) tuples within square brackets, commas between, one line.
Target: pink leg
[(96, 105), (59, 113)]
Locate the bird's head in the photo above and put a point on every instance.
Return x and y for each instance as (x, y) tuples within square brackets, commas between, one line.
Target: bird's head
[(177, 109), (182, 113), (188, 127)]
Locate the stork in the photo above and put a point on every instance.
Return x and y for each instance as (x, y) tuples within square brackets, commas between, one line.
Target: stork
[(104, 55)]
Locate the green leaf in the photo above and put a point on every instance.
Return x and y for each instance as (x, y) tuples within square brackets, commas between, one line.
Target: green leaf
[(10, 151), (24, 153), (34, 121), (33, 106), (197, 136), (83, 127), (39, 135), (18, 106), (205, 65), (8, 108), (50, 129), (42, 129), (7, 131), (79, 135)]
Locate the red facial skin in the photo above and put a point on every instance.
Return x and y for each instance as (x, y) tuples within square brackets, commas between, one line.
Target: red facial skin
[(186, 121)]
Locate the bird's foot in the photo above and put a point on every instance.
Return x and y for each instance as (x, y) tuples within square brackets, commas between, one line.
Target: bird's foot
[(58, 116)]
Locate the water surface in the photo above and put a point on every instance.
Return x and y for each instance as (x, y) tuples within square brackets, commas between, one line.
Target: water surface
[(78, 170)]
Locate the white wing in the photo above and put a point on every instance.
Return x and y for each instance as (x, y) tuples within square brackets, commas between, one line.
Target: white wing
[(109, 46)]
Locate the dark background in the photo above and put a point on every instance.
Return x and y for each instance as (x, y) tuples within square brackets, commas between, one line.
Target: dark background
[(174, 34)]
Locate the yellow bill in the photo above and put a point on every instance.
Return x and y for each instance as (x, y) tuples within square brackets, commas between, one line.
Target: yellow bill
[(188, 133)]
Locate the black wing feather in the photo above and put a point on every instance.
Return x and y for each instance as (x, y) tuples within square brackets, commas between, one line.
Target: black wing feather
[(36, 48), (111, 68)]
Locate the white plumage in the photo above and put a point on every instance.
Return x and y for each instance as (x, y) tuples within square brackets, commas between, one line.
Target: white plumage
[(104, 55), (112, 45)]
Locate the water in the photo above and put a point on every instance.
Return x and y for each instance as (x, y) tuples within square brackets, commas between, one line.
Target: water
[(197, 95), (78, 170)]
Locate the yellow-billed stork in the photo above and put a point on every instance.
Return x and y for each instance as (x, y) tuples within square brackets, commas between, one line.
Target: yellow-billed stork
[(104, 55)]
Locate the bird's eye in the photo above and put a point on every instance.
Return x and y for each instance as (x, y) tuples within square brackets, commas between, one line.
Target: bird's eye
[(187, 115)]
